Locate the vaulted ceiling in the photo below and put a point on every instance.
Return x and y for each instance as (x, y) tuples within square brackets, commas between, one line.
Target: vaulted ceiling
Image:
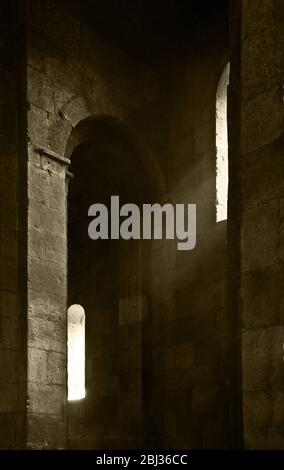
[(148, 25)]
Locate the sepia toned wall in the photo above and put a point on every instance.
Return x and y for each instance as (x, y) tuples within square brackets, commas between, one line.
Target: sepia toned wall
[(184, 349), (71, 79), (191, 373), (12, 227), (262, 222)]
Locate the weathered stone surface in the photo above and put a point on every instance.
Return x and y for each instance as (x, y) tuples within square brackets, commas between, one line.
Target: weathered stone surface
[(47, 246), (261, 70), (40, 91), (260, 236), (46, 367), (158, 331), (50, 277), (263, 301), (256, 16), (263, 117), (47, 335), (47, 189), (46, 399), (46, 431), (262, 356), (262, 175), (44, 218), (38, 123)]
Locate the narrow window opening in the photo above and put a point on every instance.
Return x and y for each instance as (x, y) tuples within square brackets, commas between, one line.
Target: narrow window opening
[(222, 146), (76, 352)]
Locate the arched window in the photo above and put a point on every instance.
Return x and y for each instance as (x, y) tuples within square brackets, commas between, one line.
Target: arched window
[(222, 146), (76, 352)]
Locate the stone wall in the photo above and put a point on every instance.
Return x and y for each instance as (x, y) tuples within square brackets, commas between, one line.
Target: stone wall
[(106, 278), (191, 373), (166, 363), (12, 227), (172, 369), (262, 222), (72, 76)]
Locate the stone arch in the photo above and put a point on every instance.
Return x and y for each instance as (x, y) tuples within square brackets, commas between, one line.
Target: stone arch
[(85, 129), (107, 277), (68, 128)]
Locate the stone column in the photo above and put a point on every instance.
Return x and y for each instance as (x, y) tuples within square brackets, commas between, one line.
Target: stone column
[(47, 293), (262, 222)]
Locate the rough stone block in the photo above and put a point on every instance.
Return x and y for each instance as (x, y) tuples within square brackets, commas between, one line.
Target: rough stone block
[(47, 246), (42, 217), (47, 189), (38, 124), (262, 175), (46, 367), (260, 236), (46, 399), (263, 297), (256, 16), (46, 431), (47, 335), (258, 408), (40, 91), (47, 276), (261, 120), (262, 355), (261, 65)]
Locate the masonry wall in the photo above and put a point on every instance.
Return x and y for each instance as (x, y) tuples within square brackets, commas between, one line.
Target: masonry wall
[(163, 345), (106, 277), (262, 222), (12, 228), (172, 375), (191, 358), (71, 78)]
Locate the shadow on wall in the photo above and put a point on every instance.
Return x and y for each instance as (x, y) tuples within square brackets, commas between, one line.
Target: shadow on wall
[(107, 277)]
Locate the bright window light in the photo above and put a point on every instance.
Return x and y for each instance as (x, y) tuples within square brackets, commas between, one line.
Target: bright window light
[(76, 352), (222, 146)]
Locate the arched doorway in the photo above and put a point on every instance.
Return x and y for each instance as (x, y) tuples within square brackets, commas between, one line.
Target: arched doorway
[(108, 278)]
